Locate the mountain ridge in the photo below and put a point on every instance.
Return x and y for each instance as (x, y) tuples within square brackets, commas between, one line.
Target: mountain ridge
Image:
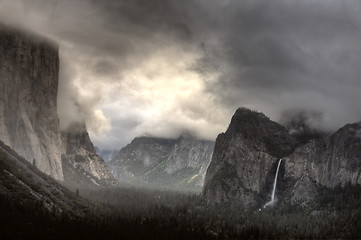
[(180, 162), (245, 158)]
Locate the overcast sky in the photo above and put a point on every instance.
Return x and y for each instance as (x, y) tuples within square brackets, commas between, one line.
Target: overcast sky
[(163, 67)]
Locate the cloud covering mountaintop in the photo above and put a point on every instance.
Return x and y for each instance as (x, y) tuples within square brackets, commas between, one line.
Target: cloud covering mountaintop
[(140, 67)]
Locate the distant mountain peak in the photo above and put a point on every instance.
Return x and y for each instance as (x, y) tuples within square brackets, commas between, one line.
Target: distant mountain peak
[(256, 127), (163, 162)]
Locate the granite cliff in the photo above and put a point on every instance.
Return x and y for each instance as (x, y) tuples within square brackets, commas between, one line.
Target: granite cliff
[(163, 162), (82, 166), (29, 122), (331, 161), (245, 158)]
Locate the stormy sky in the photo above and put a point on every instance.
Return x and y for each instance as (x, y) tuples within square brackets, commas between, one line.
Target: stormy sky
[(164, 67)]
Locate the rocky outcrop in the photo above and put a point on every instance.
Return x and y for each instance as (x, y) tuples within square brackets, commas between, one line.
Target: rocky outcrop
[(29, 124), (28, 99), (245, 158), (331, 161), (178, 162), (82, 166)]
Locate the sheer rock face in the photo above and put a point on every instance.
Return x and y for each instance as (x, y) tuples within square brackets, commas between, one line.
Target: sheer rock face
[(29, 123), (28, 99), (330, 161), (81, 164), (245, 158), (178, 162)]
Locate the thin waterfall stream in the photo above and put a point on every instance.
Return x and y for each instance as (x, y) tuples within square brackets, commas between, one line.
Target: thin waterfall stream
[(274, 186)]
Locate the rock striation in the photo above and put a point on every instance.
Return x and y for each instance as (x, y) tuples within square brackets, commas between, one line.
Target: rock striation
[(163, 162), (29, 122), (245, 158), (82, 166)]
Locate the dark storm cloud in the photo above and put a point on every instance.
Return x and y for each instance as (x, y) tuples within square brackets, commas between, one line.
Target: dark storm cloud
[(130, 58), (144, 16), (294, 47)]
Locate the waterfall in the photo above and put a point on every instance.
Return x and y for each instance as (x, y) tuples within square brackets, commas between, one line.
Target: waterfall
[(274, 186)]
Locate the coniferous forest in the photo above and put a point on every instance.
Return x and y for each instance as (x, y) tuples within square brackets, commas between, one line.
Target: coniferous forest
[(131, 213)]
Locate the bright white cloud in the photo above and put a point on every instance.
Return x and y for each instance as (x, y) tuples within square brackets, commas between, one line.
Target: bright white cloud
[(166, 97)]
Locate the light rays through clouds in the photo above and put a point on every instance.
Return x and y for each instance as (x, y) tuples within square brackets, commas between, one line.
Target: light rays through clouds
[(161, 68)]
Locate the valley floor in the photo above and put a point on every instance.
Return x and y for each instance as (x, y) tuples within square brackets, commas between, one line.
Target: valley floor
[(131, 213)]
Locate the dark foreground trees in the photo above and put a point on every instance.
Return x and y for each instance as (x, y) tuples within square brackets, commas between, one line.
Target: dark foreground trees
[(128, 213)]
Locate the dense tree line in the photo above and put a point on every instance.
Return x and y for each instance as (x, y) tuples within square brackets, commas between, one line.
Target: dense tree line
[(130, 213)]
